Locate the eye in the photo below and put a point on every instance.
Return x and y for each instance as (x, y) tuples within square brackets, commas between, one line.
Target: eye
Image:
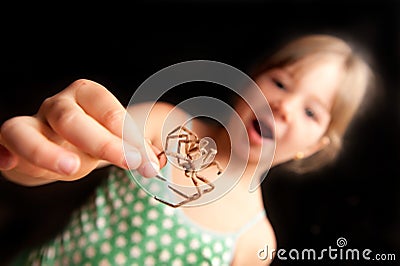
[(310, 113), (278, 84)]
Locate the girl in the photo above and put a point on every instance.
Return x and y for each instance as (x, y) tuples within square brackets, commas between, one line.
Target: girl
[(314, 86)]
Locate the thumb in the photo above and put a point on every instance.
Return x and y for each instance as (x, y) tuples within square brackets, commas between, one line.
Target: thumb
[(7, 160)]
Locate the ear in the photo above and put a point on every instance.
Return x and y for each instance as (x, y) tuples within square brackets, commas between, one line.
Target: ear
[(321, 144)]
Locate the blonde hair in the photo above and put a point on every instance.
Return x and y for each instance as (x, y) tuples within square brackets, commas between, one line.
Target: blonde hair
[(357, 79)]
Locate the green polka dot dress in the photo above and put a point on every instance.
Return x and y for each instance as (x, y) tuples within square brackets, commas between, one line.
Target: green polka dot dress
[(123, 225)]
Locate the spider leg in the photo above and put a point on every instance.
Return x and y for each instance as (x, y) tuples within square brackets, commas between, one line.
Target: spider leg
[(188, 199), (160, 154), (205, 181), (216, 163)]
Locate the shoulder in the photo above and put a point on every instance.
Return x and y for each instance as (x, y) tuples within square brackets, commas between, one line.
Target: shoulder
[(260, 239)]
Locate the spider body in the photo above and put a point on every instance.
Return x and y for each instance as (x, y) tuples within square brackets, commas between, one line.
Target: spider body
[(192, 156)]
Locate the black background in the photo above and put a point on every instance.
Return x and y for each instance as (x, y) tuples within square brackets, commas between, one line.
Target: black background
[(119, 47)]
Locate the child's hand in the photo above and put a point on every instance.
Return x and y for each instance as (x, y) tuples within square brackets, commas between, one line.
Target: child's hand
[(73, 132)]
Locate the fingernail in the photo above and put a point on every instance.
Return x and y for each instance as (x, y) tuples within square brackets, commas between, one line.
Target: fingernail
[(133, 159), (150, 169), (68, 165)]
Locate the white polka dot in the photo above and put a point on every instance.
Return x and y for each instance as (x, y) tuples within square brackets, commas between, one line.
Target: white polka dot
[(205, 263), (120, 259), (124, 212), (191, 258), (152, 230), (169, 211), (206, 252), (84, 217), (136, 237), (94, 237), (138, 207), (121, 241), (149, 261), (111, 194), (87, 227), (154, 188), (153, 202), (137, 221), (206, 238), (152, 215), (122, 191), (177, 262), (131, 185), (151, 246), (101, 222), (105, 248), (104, 262), (144, 181), (122, 227), (113, 219), (77, 231), (108, 233), (118, 173), (90, 252), (166, 239), (75, 221), (226, 256), (141, 193), (107, 210), (71, 246), (194, 243), (76, 257), (100, 201), (82, 242), (135, 252), (181, 233), (129, 198), (229, 242), (66, 236), (165, 255), (117, 203), (167, 223), (218, 247), (180, 248), (216, 261), (112, 176), (51, 252), (65, 261)]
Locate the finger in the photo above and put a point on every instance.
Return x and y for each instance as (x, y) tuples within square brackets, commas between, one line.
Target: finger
[(111, 114), (24, 136), (68, 120), (101, 104)]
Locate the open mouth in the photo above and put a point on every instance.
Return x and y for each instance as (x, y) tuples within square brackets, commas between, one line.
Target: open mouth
[(264, 130)]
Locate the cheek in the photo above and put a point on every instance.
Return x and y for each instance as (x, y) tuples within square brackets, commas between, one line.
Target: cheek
[(301, 136), (266, 87), (243, 110)]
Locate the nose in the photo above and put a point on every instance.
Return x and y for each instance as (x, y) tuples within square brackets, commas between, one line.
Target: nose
[(283, 108)]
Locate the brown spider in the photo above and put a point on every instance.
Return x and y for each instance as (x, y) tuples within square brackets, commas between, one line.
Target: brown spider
[(191, 156)]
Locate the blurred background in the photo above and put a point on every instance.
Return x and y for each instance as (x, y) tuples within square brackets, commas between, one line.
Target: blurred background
[(356, 198)]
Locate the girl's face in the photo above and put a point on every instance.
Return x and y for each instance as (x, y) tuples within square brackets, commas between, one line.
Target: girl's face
[(301, 96)]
